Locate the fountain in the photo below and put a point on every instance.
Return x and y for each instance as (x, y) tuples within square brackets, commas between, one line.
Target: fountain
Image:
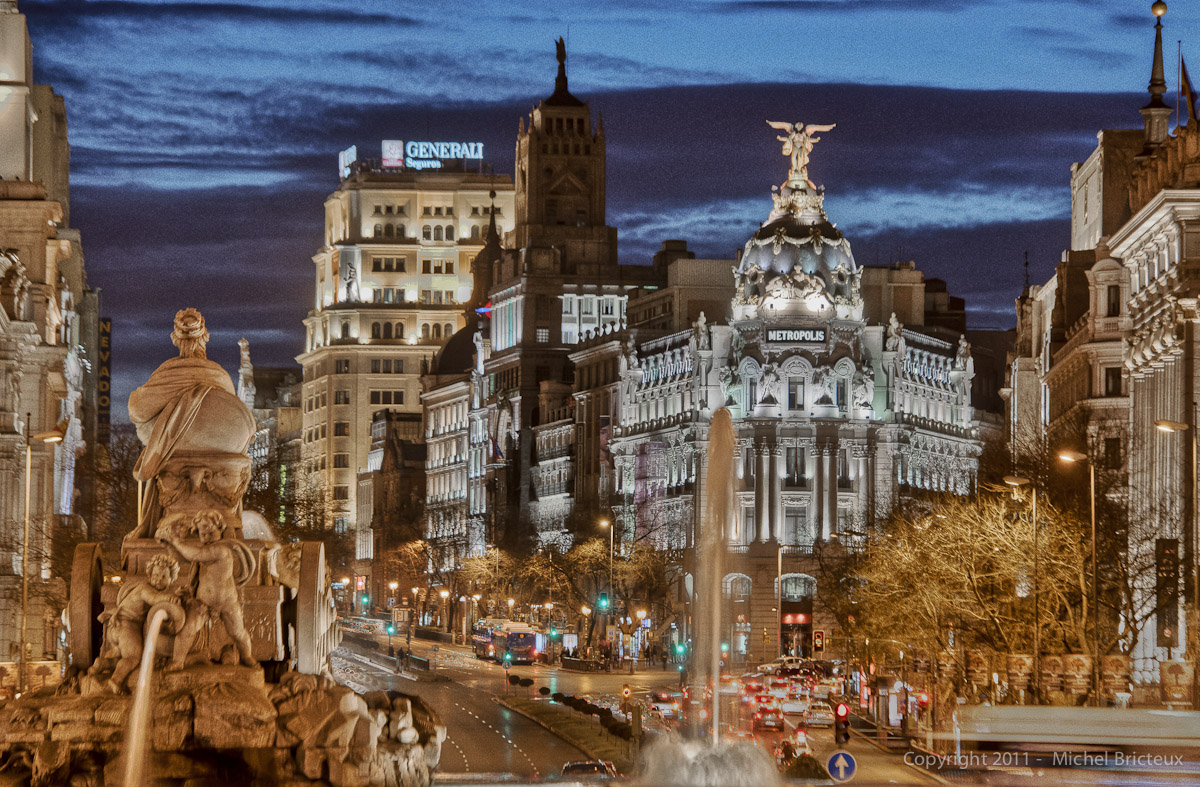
[(696, 763), (232, 629)]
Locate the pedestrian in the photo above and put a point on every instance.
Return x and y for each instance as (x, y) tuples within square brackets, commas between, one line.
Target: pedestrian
[(391, 651)]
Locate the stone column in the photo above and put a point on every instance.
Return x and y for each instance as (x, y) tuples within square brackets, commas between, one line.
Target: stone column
[(762, 491), (863, 480), (776, 493), (828, 492), (815, 473)]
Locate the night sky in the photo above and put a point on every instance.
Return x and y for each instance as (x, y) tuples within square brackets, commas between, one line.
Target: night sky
[(204, 135)]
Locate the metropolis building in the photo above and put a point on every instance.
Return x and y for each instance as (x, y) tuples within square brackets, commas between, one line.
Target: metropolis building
[(391, 279)]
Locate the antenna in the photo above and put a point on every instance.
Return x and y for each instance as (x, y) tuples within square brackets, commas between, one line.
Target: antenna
[(1026, 271)]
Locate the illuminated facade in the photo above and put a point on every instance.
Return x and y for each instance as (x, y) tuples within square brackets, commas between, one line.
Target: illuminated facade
[(391, 280), (49, 344)]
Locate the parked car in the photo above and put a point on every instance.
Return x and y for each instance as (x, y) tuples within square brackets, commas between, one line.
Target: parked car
[(819, 714)]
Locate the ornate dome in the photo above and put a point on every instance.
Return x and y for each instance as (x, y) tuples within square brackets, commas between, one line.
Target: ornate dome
[(798, 237), (457, 356)]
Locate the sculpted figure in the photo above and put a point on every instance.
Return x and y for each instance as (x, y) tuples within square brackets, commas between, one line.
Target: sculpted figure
[(702, 332), (893, 333), (964, 352), (128, 619), (768, 384), (864, 387), (798, 144), (222, 566)]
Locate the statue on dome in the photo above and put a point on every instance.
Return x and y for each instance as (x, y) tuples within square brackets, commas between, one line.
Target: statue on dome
[(798, 144)]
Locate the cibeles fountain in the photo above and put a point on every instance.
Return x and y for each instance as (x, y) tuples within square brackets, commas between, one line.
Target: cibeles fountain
[(233, 630)]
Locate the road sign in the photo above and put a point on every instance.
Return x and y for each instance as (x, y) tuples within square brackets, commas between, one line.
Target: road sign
[(841, 767)]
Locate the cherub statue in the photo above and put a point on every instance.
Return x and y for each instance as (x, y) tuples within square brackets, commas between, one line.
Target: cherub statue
[(222, 567), (128, 620)]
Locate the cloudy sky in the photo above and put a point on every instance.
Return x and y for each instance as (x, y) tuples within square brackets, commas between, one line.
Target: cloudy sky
[(205, 134)]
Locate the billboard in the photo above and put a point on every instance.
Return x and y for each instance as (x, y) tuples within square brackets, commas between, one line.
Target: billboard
[(427, 155), (104, 382)]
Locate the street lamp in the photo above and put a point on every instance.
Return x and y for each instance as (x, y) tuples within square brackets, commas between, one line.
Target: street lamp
[(1016, 482), (1192, 543), (1067, 455), (510, 603), (445, 594), (55, 435)]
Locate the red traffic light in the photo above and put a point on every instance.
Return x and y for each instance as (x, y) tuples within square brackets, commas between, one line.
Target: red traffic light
[(626, 691), (843, 711)]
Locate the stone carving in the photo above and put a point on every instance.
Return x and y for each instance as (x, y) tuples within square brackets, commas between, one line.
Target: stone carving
[(124, 638), (963, 354), (351, 278), (824, 379), (864, 388), (195, 431), (798, 145), (796, 285), (221, 568), (768, 385), (702, 338), (894, 339), (477, 340), (730, 380)]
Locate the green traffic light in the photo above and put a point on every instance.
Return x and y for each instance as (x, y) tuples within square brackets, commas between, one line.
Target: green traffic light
[(724, 647), (391, 629), (364, 598)]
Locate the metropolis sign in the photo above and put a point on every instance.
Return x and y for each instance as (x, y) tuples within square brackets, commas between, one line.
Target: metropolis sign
[(427, 155), (804, 335)]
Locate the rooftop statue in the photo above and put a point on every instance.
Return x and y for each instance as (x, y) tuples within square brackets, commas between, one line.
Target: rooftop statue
[(799, 144)]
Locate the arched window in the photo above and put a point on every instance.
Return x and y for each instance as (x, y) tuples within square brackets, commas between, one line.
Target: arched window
[(375, 330), (448, 330), (345, 330), (387, 330), (796, 587), (449, 232), (399, 230), (388, 231), (424, 330), (736, 587), (437, 331), (437, 232), (475, 232), (427, 232), (399, 330), (378, 230)]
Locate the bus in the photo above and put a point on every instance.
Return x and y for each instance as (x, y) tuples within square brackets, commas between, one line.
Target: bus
[(494, 638)]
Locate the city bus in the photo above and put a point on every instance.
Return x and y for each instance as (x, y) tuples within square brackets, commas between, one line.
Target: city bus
[(481, 637), (495, 638)]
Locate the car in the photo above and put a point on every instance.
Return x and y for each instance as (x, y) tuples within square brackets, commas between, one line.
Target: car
[(765, 699), (778, 688), (729, 685), (768, 716), (589, 768), (800, 741), (819, 714), (773, 666), (750, 690), (666, 704), (795, 703)]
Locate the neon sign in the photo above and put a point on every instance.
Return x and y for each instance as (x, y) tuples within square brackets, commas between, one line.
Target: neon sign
[(806, 335), (427, 155)]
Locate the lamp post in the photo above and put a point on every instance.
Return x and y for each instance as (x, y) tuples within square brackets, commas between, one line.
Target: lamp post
[(1192, 544), (1016, 482), (392, 587), (445, 594), (55, 435), (611, 530), (1076, 457)]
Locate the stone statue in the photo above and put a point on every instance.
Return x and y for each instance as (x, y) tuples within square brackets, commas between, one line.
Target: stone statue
[(351, 276), (477, 340), (824, 380), (702, 332), (893, 334), (864, 387), (729, 380), (964, 352), (222, 567), (768, 384), (193, 426), (799, 144), (128, 620)]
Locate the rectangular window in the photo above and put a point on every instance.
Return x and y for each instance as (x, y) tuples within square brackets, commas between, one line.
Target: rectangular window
[(398, 366), (341, 429), (588, 307), (437, 296), (449, 295), (795, 393), (568, 306), (1114, 300), (321, 432), (426, 266), (341, 366), (795, 467), (449, 266), (341, 396), (437, 266), (1112, 453), (748, 463), (1112, 381), (376, 264), (341, 492), (748, 525), (795, 527), (377, 296), (401, 265), (341, 460), (543, 335), (843, 394), (426, 296), (341, 524), (389, 294)]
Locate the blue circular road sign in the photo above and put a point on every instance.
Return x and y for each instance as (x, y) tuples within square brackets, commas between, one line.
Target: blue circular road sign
[(841, 766)]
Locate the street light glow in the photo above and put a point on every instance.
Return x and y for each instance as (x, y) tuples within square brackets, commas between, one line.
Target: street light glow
[(445, 594), (1016, 480), (1067, 455), (585, 609), (1164, 425)]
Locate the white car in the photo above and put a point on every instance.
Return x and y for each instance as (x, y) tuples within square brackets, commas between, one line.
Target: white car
[(771, 667), (794, 704), (666, 704), (819, 714)]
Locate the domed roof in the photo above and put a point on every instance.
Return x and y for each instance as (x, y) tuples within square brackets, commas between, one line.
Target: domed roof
[(798, 238), (457, 356)]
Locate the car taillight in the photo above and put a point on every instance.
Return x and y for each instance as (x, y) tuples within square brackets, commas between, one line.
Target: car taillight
[(758, 715)]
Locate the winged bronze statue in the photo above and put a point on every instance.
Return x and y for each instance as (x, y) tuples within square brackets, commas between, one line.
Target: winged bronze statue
[(798, 144)]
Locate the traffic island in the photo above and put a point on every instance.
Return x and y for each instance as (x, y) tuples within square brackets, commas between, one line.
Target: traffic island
[(582, 732)]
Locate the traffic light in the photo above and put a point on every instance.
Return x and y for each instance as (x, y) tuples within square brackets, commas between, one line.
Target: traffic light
[(365, 598), (602, 602), (391, 629), (818, 641), (626, 692), (679, 648), (841, 724), (553, 632)]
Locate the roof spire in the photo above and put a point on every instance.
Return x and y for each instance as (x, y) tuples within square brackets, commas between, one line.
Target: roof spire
[(562, 96), (1158, 83), (1156, 114)]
